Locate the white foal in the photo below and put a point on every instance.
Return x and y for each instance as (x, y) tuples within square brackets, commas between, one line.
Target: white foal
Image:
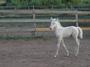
[(62, 32)]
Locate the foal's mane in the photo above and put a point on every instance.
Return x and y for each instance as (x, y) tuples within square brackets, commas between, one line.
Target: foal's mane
[(58, 21)]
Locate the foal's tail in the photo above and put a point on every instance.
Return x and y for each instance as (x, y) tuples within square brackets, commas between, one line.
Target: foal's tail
[(80, 32)]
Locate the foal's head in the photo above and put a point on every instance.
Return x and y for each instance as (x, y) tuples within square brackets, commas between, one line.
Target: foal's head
[(54, 23)]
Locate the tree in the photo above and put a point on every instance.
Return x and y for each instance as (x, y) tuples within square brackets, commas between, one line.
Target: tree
[(70, 3), (20, 3), (48, 3), (36, 2), (85, 1), (51, 2)]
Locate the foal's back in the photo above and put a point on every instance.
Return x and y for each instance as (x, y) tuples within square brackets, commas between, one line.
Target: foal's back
[(68, 31)]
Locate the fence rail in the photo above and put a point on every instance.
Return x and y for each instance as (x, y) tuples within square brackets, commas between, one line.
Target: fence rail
[(43, 11), (34, 20), (41, 20)]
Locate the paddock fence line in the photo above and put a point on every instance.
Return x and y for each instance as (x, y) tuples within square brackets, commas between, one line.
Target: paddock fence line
[(34, 20)]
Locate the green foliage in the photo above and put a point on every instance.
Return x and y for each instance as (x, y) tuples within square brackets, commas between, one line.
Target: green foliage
[(20, 3), (25, 3), (72, 2), (58, 2), (76, 2), (2, 2), (85, 1), (36, 2), (45, 2)]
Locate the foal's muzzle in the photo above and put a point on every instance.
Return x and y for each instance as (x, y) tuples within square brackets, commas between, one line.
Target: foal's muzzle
[(50, 28)]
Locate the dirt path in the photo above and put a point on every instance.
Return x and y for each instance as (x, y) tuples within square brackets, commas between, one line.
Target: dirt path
[(39, 53)]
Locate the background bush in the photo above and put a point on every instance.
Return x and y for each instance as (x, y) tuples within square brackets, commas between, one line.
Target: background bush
[(26, 3)]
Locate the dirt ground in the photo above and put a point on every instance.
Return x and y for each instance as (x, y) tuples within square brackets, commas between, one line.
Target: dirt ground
[(40, 53)]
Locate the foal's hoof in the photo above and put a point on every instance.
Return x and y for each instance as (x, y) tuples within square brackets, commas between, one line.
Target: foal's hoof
[(55, 56), (76, 54)]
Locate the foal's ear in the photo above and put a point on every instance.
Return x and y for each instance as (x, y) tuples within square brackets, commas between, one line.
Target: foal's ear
[(57, 18), (51, 18)]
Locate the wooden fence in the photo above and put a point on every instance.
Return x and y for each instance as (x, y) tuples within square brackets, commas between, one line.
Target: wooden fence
[(34, 20)]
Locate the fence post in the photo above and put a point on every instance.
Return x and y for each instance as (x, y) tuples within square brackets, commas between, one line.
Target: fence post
[(33, 12), (77, 18), (34, 32)]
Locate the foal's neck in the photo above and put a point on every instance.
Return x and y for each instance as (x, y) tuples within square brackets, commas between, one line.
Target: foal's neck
[(59, 26)]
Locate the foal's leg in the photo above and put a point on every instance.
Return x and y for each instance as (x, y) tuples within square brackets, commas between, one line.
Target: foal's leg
[(65, 47), (78, 43), (58, 46)]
